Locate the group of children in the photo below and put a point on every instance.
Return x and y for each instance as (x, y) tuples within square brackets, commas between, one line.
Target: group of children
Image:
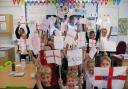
[(48, 75)]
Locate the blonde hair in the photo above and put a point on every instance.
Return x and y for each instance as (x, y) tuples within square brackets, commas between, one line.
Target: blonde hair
[(72, 74), (103, 29), (105, 58), (90, 61), (45, 70)]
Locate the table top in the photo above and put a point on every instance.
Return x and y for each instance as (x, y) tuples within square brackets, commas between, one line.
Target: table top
[(5, 48), (26, 80)]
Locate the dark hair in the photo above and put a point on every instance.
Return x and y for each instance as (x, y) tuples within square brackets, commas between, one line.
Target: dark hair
[(65, 17), (22, 28), (71, 18), (91, 32)]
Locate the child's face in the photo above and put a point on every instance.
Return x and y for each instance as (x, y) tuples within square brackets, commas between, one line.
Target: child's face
[(104, 32), (90, 68), (72, 21), (105, 63), (92, 36), (46, 79), (71, 82), (21, 31), (52, 38)]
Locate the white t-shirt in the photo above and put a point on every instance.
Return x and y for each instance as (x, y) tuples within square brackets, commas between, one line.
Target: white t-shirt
[(72, 27), (58, 32), (23, 45), (63, 26), (102, 43)]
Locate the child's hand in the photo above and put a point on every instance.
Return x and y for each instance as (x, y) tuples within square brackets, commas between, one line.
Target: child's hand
[(60, 82), (73, 46), (37, 63), (76, 37), (97, 48), (18, 23), (81, 80), (19, 51)]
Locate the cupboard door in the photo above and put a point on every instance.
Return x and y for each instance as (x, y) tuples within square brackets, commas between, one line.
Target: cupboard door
[(6, 24)]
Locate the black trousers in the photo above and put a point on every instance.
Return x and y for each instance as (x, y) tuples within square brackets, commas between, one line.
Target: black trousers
[(23, 56)]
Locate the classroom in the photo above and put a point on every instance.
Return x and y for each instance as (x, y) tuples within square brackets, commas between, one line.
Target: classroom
[(63, 44)]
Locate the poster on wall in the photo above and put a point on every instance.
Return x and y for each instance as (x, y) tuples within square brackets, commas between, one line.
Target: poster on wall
[(114, 31), (2, 18), (123, 26), (3, 27)]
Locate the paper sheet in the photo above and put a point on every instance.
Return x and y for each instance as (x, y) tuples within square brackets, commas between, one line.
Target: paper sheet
[(74, 57), (116, 82), (58, 42)]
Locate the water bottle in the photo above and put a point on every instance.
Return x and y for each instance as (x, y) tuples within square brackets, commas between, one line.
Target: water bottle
[(13, 66), (23, 63), (27, 59)]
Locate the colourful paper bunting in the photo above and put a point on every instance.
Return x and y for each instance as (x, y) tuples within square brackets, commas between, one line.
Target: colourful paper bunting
[(70, 3)]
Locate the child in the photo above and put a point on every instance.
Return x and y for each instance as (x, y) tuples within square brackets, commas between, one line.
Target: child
[(58, 31), (89, 75), (93, 38), (104, 36), (106, 62), (22, 44), (19, 31), (44, 78), (72, 81), (42, 61), (72, 25)]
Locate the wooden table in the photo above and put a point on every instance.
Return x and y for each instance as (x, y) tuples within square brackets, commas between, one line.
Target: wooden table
[(26, 80), (7, 53), (119, 61)]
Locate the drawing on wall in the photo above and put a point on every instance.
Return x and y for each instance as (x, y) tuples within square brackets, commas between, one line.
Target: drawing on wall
[(123, 26)]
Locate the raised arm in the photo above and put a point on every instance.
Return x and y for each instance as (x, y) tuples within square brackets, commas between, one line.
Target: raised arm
[(28, 30), (87, 38), (109, 33), (97, 34), (39, 85), (17, 33), (60, 82)]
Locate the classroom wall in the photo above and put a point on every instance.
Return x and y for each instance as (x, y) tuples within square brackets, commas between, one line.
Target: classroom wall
[(36, 13)]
